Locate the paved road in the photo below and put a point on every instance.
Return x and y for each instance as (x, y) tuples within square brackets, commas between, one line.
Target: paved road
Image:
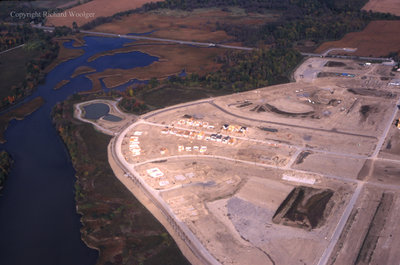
[(210, 44), (157, 112), (273, 142), (382, 138), (134, 37), (339, 228), (182, 230), (292, 125), (16, 47), (197, 248)]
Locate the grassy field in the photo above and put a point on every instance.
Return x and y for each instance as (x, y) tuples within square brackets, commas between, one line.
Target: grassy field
[(114, 221), (168, 95), (379, 38), (13, 69), (198, 25)]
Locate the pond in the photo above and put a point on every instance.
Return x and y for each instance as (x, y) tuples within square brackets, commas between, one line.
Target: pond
[(96, 110), (110, 117)]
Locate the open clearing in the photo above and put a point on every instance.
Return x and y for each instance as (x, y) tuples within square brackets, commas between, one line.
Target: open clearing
[(379, 38), (250, 177), (383, 6)]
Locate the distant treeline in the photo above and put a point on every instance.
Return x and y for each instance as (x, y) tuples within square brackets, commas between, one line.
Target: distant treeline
[(5, 165), (316, 20), (240, 71), (37, 42)]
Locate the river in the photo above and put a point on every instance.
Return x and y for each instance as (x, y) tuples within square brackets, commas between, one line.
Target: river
[(38, 220)]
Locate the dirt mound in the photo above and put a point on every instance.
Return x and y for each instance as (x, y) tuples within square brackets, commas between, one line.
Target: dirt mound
[(372, 93), (304, 207)]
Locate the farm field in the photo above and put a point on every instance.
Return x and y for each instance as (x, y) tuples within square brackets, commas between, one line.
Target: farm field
[(378, 39), (97, 7), (383, 6)]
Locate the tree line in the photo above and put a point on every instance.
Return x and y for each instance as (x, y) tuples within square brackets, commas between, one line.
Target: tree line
[(41, 45)]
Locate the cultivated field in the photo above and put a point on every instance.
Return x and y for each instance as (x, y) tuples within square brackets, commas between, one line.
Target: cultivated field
[(384, 6), (100, 8), (379, 38)]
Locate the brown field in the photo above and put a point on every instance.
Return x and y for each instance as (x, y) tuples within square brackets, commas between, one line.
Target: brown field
[(172, 59), (98, 8), (379, 38), (199, 25), (384, 6)]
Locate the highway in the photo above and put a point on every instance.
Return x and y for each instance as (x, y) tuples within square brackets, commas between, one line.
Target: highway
[(217, 45), (339, 228), (13, 48), (182, 230)]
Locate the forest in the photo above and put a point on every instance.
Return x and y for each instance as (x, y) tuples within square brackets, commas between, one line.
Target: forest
[(316, 20), (41, 49), (240, 71)]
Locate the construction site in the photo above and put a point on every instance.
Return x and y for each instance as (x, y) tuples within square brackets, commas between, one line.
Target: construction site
[(309, 168)]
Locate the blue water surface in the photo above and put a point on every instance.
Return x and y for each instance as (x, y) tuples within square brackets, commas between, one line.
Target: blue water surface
[(38, 220)]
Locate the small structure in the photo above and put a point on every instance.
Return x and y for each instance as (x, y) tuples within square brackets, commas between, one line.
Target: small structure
[(394, 82), (305, 180), (155, 172), (163, 183), (180, 177), (163, 150)]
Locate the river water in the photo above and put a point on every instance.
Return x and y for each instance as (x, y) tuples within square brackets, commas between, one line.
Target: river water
[(38, 220)]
